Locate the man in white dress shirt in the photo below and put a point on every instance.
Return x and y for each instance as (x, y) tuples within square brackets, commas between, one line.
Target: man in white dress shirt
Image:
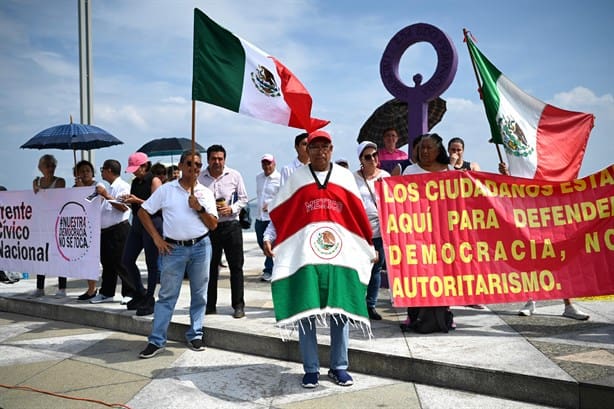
[(114, 228), (267, 185), (302, 157)]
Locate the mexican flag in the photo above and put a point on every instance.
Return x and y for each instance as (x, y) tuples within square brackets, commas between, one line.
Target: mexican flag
[(323, 249), (231, 73), (541, 141)]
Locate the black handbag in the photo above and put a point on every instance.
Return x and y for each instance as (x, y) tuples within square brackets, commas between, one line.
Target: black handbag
[(245, 219)]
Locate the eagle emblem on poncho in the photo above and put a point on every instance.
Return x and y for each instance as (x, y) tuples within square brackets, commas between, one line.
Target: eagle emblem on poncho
[(325, 242)]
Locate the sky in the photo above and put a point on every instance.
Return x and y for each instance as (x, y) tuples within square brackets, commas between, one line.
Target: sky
[(559, 51)]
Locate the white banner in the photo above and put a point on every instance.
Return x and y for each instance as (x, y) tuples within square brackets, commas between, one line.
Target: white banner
[(55, 232)]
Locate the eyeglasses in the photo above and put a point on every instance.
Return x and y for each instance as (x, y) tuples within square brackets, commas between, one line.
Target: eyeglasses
[(318, 147), (371, 156), (197, 164)]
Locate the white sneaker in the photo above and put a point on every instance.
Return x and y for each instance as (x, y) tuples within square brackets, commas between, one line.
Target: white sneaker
[(528, 309), (61, 293), (101, 298), (572, 312)]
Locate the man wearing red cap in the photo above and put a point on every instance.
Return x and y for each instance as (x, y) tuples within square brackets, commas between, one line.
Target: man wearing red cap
[(267, 185), (323, 257)]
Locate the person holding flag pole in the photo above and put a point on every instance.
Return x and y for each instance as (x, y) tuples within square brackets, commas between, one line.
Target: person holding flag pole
[(528, 129)]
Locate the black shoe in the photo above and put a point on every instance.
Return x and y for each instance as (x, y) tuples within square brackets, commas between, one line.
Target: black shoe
[(146, 307), (373, 314), (134, 303), (196, 344), (239, 313), (209, 311), (85, 296), (4, 278), (150, 351)]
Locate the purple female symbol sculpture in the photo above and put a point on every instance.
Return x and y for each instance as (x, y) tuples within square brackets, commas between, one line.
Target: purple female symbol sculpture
[(417, 97)]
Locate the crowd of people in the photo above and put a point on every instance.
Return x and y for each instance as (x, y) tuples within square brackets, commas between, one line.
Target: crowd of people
[(185, 218)]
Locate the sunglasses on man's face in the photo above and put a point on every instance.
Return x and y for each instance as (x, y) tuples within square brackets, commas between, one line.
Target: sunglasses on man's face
[(370, 156), (197, 164)]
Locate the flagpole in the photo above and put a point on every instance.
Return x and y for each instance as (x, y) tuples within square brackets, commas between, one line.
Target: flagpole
[(193, 133), (477, 78)]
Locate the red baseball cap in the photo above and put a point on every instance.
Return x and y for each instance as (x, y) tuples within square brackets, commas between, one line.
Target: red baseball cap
[(319, 134)]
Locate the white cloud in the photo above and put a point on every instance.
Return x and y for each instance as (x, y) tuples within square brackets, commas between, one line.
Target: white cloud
[(53, 63)]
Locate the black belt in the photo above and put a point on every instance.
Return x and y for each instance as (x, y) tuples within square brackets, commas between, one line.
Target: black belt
[(186, 243), (115, 226), (227, 223)]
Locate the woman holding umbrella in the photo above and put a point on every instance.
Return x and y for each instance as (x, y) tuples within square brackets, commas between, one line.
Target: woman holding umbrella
[(47, 165)]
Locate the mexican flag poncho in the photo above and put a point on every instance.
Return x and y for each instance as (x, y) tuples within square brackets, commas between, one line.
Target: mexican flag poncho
[(323, 249)]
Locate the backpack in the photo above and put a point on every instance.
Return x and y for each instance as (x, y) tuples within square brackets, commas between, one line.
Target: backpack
[(426, 320)]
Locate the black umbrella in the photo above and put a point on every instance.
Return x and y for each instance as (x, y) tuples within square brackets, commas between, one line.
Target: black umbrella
[(393, 114), (168, 147), (72, 136)]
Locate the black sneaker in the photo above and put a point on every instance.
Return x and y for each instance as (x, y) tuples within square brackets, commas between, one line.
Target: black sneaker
[(150, 351), (146, 307), (239, 313), (85, 296), (341, 377), (196, 344), (135, 302), (373, 314), (310, 380), (8, 278)]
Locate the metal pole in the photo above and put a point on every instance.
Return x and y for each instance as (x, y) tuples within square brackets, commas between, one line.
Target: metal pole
[(85, 68)]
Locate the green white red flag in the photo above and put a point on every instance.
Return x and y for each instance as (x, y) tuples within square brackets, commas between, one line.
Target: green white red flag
[(541, 141), (232, 73)]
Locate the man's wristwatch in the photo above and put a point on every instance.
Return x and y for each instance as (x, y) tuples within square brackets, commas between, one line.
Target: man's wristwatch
[(202, 210)]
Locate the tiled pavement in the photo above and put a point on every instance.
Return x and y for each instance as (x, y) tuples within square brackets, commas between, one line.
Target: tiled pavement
[(544, 359)]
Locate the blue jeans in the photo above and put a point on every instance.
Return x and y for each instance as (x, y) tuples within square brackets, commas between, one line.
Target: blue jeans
[(339, 339), (195, 261), (260, 226), (376, 273)]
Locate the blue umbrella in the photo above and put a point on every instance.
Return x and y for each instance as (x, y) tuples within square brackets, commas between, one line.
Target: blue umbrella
[(72, 136)]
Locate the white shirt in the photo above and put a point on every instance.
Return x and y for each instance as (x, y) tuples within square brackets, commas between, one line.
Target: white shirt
[(266, 189), (368, 196), (110, 216), (229, 185), (289, 169), (180, 221), (415, 169)]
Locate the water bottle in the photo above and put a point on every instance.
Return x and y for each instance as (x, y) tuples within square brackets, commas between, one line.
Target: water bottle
[(25, 276)]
